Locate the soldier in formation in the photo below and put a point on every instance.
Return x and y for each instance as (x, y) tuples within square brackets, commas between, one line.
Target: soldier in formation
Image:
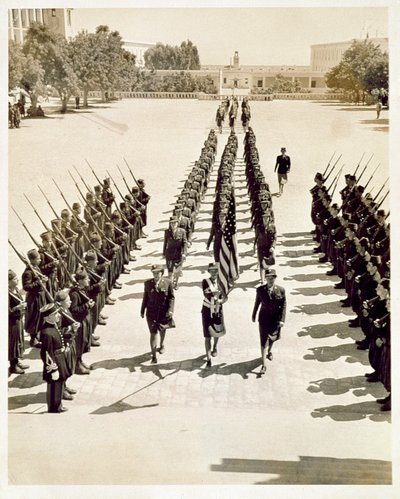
[(355, 239)]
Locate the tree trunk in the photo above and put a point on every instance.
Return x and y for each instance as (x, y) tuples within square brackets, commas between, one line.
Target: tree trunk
[(34, 100), (64, 103), (85, 97), (103, 95)]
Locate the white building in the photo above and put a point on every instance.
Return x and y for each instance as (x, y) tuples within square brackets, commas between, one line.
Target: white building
[(137, 49)]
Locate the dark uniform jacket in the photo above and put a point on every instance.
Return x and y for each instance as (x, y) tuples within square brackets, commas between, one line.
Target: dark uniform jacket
[(53, 353), (159, 301), (174, 244), (273, 306)]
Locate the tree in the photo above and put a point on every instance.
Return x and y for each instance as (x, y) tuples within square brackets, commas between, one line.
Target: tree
[(162, 56), (286, 85), (363, 67), (16, 61), (32, 80), (52, 52)]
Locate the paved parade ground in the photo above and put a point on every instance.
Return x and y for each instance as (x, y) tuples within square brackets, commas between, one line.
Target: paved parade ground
[(312, 419)]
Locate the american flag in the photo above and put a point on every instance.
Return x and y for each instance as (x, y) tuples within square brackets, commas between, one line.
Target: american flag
[(228, 263)]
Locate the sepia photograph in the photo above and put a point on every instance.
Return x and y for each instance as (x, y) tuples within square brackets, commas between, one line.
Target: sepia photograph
[(198, 215)]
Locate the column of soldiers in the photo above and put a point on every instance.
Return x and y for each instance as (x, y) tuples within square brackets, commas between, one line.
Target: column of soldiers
[(69, 278), (357, 244), (224, 191), (178, 236), (262, 214)]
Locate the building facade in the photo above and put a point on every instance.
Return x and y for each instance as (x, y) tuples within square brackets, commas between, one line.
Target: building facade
[(137, 49), (58, 20)]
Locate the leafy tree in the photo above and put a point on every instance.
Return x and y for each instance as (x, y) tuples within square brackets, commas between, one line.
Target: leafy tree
[(363, 67), (286, 85), (32, 80), (162, 56), (16, 61)]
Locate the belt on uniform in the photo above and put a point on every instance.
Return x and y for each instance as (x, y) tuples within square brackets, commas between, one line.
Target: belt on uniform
[(61, 350)]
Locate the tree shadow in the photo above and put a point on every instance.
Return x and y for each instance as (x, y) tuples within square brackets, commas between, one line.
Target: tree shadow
[(330, 354), (309, 470), (353, 412), (339, 329), (19, 401), (27, 380)]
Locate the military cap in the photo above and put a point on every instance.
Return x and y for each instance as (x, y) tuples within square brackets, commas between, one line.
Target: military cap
[(364, 242), (173, 220), (80, 275), (106, 181), (157, 268), (380, 213), (335, 206), (360, 188), (352, 226), (97, 188), (135, 189), (270, 272), (48, 309), (75, 206), (115, 215), (140, 181), (108, 226), (375, 260), (352, 178), (318, 176), (90, 256), (122, 205), (64, 212), (129, 197), (213, 266), (62, 295), (89, 195), (283, 149), (33, 254), (348, 175), (46, 236), (11, 275), (57, 222)]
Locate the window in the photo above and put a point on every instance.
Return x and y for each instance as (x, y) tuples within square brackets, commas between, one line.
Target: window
[(224, 80), (53, 12), (31, 15), (69, 19), (15, 16), (313, 84), (24, 18), (259, 83)]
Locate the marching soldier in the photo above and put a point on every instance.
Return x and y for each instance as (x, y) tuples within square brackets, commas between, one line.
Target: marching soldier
[(174, 250)]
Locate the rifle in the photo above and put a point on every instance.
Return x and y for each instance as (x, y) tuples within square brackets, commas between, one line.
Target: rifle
[(327, 166), (359, 163), (48, 202), (380, 190), (94, 173), (382, 200), (39, 276), (93, 221), (365, 167), (336, 178), (119, 192), (370, 178), (26, 228), (126, 183), (333, 167)]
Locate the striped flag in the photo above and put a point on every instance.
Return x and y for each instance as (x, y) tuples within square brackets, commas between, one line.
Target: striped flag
[(228, 263)]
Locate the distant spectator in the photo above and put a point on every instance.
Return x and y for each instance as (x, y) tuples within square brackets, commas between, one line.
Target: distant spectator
[(378, 108)]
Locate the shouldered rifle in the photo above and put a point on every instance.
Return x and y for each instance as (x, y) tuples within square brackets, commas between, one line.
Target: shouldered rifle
[(39, 276), (331, 170), (381, 189), (359, 163), (94, 173), (365, 167), (99, 201), (29, 234), (370, 178), (382, 200), (327, 166), (119, 192), (48, 202), (337, 180), (126, 183)]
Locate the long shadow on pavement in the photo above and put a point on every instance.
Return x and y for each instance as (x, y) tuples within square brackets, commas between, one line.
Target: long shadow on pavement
[(309, 277), (331, 307), (320, 290), (19, 401), (353, 412), (339, 386), (27, 380), (310, 470), (339, 329), (241, 368), (330, 354)]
